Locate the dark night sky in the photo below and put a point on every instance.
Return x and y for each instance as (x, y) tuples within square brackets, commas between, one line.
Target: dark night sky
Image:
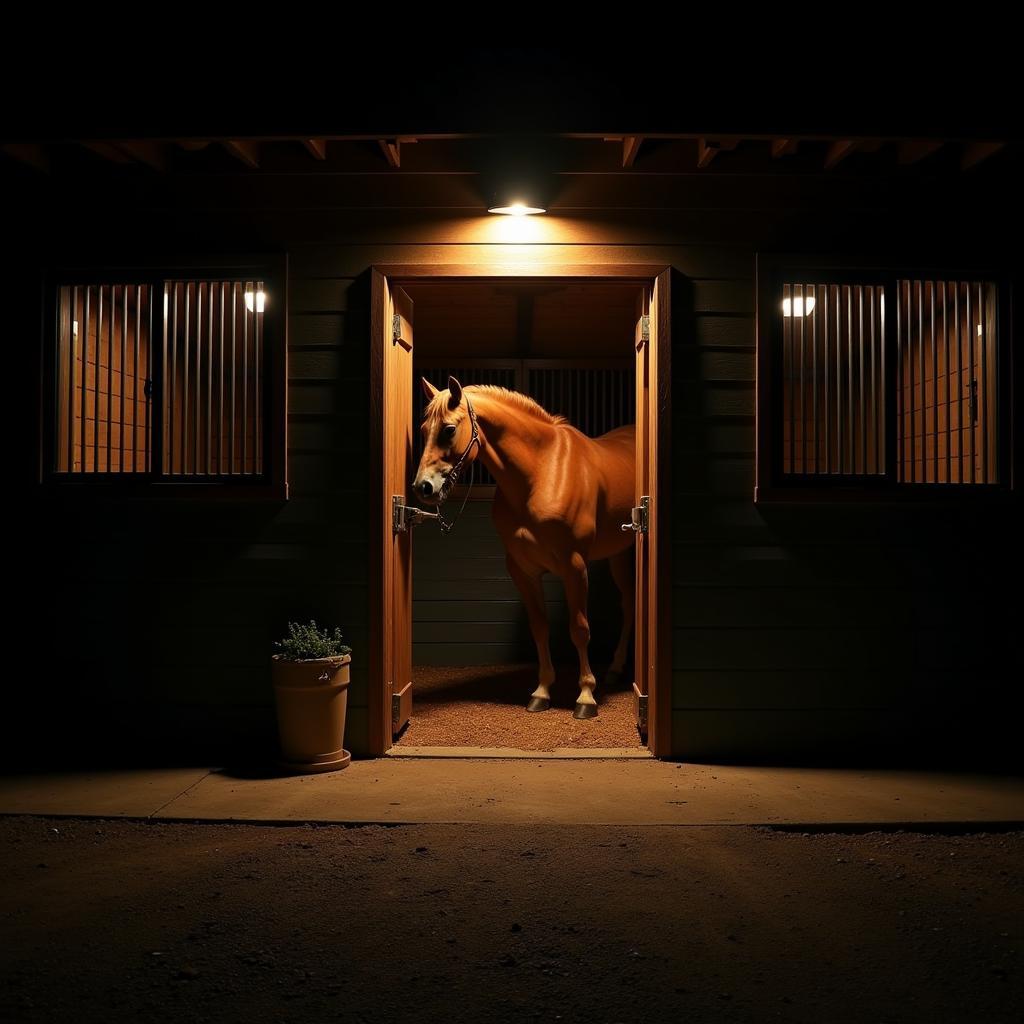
[(694, 82)]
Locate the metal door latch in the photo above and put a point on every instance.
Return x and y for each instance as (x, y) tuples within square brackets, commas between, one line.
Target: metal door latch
[(639, 516), (404, 517)]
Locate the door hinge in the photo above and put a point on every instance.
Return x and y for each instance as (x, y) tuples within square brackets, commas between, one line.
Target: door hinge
[(640, 708), (645, 328), (404, 517), (639, 517), (401, 706)]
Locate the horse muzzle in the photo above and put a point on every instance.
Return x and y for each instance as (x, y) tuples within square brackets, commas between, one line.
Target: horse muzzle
[(431, 490)]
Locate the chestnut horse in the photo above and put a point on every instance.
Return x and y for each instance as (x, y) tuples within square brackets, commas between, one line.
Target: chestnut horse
[(560, 501)]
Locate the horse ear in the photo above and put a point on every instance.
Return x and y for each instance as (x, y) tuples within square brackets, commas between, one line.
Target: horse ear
[(456, 389), (428, 389)]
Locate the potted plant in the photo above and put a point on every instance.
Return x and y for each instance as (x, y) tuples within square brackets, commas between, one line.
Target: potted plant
[(311, 676)]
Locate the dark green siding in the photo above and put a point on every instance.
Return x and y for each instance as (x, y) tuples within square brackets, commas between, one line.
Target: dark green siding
[(814, 631)]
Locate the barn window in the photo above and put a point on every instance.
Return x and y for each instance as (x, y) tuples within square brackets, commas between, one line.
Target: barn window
[(169, 380), (875, 379)]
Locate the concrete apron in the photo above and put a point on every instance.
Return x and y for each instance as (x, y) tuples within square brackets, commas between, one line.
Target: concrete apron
[(530, 791)]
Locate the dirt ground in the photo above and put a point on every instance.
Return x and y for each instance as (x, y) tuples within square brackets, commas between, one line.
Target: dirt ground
[(114, 921), (485, 706)]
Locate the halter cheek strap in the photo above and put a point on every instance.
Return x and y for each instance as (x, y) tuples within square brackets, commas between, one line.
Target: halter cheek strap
[(453, 476)]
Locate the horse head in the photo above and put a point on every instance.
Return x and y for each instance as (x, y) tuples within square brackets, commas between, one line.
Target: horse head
[(448, 434)]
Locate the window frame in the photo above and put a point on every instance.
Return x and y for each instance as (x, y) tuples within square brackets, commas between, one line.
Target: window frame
[(770, 486), (273, 485)]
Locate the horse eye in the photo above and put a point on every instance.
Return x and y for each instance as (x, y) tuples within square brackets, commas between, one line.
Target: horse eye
[(448, 433)]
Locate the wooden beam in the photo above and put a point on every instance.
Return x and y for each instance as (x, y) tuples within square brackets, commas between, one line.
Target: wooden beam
[(317, 148), (29, 153), (839, 150), (630, 148), (917, 149), (108, 152), (975, 152), (149, 153), (392, 150), (784, 147), (193, 145), (246, 151), (708, 148)]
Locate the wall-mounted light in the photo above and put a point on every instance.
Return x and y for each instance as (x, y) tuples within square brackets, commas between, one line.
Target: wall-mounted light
[(801, 307), (515, 209), (255, 299)]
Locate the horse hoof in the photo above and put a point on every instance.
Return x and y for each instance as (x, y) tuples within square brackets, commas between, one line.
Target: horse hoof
[(538, 704), (585, 711)]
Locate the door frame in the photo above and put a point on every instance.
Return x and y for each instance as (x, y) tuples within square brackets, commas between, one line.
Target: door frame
[(659, 733)]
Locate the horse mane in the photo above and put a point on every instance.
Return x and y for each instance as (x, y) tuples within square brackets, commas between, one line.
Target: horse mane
[(518, 399)]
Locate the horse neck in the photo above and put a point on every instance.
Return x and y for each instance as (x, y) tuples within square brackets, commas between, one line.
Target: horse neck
[(511, 439)]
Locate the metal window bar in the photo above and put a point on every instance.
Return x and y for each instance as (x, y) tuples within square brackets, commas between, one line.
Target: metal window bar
[(220, 380), (135, 380), (245, 379), (832, 403), (207, 353)]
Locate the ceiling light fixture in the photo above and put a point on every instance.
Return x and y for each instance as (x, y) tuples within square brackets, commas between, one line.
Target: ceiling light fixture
[(516, 209)]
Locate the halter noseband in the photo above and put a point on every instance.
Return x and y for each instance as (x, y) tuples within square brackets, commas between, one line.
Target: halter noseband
[(453, 477)]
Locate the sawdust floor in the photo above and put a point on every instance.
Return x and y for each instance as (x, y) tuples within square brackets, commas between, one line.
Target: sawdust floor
[(485, 706)]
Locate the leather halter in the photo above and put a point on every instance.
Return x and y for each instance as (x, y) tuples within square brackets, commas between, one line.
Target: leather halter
[(453, 477)]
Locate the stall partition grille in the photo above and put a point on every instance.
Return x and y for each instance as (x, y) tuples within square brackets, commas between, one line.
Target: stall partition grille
[(946, 393), (204, 349), (595, 396)]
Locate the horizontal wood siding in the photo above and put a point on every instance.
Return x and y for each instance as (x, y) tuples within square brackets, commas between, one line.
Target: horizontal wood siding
[(799, 630)]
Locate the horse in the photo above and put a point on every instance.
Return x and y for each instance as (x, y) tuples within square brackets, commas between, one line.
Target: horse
[(560, 500)]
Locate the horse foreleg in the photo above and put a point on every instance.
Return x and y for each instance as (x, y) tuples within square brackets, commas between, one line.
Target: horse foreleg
[(532, 593), (576, 585), (623, 566)]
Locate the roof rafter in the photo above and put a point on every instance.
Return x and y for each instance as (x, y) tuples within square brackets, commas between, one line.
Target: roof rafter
[(246, 151)]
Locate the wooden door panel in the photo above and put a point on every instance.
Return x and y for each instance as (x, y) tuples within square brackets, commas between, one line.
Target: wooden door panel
[(641, 687), (399, 455), (657, 541)]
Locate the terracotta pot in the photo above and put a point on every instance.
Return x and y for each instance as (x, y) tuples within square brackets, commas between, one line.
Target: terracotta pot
[(312, 698)]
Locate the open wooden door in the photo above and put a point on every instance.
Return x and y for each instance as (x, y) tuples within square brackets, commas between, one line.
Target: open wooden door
[(390, 710), (652, 686)]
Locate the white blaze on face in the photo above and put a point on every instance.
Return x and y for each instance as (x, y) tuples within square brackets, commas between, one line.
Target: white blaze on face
[(433, 470), (440, 429)]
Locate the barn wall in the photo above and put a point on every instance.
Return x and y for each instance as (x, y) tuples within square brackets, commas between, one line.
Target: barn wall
[(812, 631)]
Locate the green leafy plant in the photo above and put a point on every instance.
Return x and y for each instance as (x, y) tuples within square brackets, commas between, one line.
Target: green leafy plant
[(307, 642)]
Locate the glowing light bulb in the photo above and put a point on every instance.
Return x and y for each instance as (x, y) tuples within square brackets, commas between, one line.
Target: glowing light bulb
[(516, 209), (801, 307)]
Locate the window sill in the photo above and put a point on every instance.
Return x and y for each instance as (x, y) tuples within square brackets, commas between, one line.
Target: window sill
[(933, 494), (61, 490)]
